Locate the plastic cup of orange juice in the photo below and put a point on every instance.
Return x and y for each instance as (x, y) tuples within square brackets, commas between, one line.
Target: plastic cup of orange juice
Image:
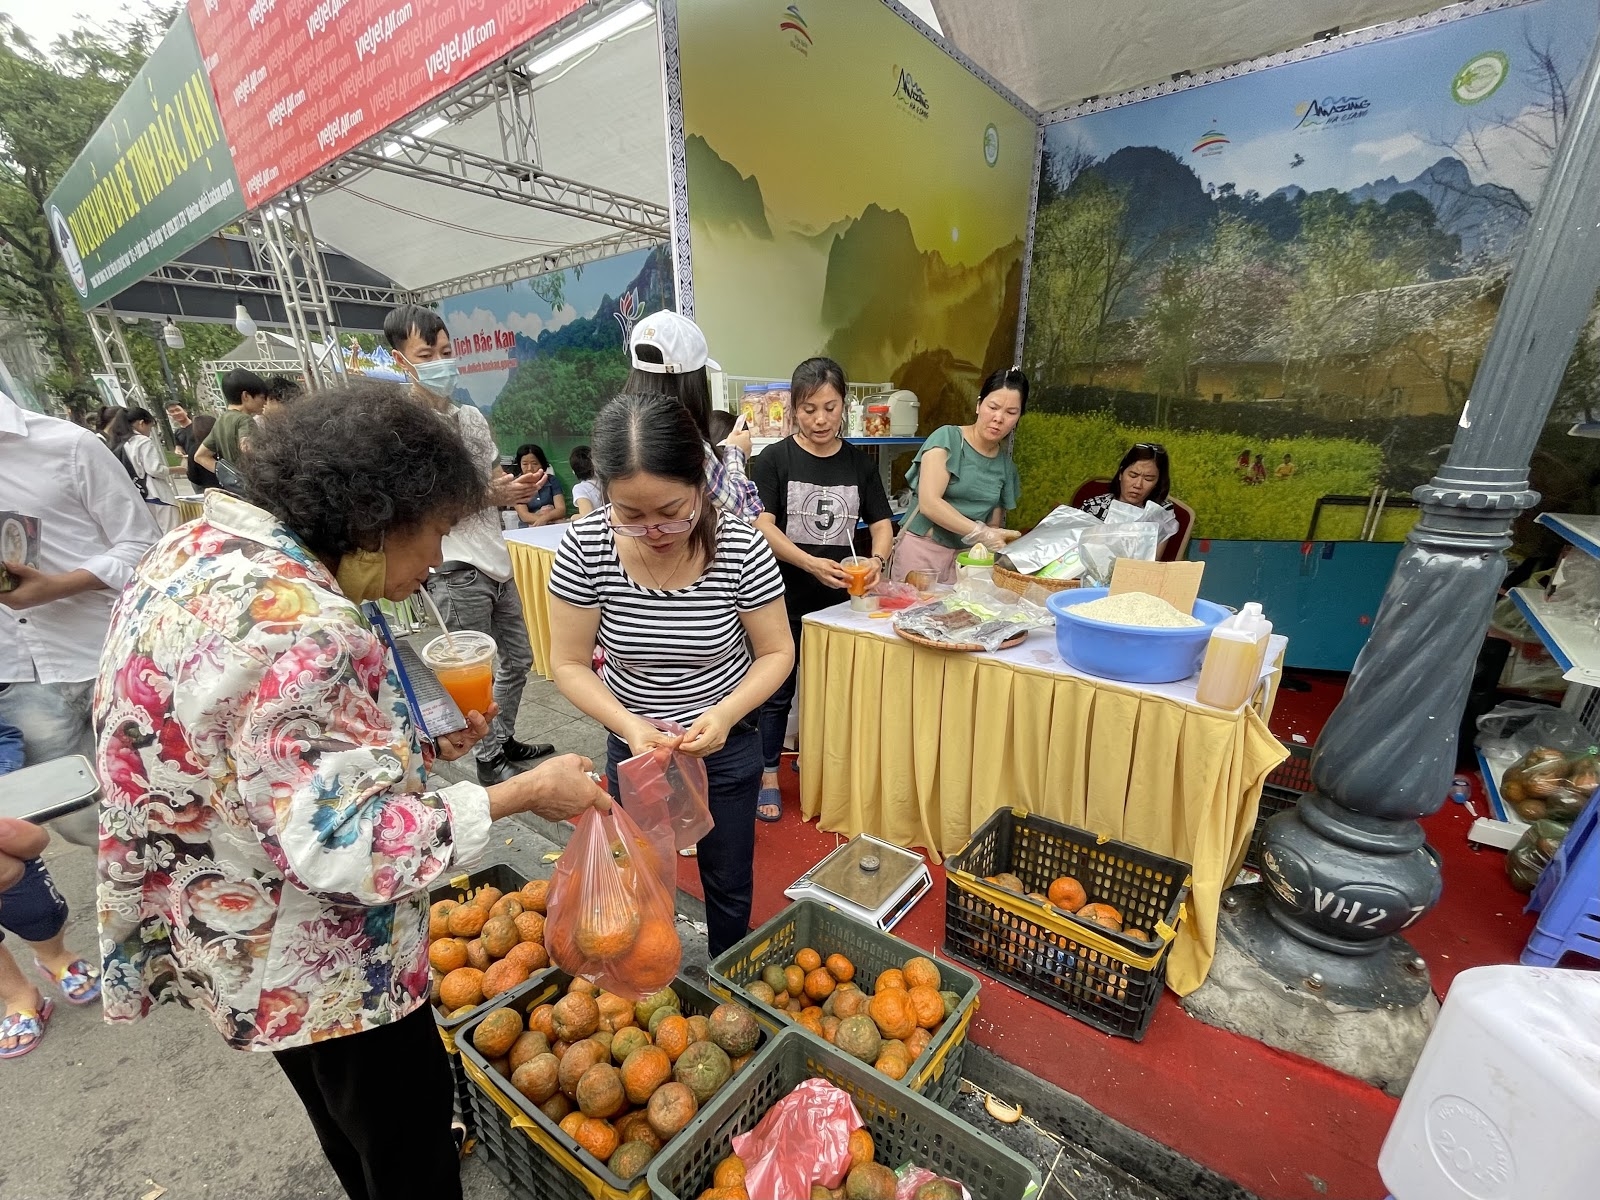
[(464, 665), (857, 570)]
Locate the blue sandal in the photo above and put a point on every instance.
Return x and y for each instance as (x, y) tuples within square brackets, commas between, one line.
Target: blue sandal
[(79, 980), (26, 1027), (769, 798)]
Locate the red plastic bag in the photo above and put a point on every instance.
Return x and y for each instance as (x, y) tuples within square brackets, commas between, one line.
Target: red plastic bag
[(664, 787), (804, 1139), (611, 917)]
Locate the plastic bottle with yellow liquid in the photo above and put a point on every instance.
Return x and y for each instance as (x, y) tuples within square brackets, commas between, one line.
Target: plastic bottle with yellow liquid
[(1233, 658)]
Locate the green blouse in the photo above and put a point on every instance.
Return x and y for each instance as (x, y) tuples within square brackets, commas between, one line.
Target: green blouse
[(978, 484)]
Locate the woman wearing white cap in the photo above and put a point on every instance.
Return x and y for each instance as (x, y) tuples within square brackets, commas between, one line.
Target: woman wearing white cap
[(670, 358)]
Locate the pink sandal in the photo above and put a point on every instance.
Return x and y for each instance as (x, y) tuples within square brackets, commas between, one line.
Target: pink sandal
[(26, 1027), (79, 980)]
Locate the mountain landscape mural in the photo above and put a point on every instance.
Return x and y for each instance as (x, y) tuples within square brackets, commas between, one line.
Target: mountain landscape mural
[(1221, 270)]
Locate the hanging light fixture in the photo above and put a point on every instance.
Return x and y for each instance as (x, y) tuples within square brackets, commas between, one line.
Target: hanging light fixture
[(243, 321), (172, 335)]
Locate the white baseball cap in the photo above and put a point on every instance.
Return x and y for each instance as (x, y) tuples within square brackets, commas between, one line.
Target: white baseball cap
[(679, 340)]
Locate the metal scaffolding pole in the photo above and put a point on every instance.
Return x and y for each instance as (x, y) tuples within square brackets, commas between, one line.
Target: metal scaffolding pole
[(106, 327), (1347, 869), (283, 237)]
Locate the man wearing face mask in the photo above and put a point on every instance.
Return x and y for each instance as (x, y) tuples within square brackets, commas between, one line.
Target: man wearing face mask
[(473, 586)]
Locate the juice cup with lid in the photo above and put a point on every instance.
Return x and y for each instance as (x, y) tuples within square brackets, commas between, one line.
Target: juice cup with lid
[(464, 665)]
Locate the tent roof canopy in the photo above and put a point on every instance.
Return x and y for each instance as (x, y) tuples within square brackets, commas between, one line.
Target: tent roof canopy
[(1055, 53)]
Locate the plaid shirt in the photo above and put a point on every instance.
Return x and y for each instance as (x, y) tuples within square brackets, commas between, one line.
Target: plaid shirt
[(731, 489)]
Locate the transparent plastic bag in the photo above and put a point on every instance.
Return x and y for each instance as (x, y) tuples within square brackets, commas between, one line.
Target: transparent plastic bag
[(804, 1139), (1526, 861), (912, 1177), (611, 917), (1574, 586), (1544, 782), (664, 787), (975, 613)]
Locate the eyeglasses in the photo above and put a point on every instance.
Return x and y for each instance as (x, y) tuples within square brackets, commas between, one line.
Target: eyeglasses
[(1153, 447), (664, 529)]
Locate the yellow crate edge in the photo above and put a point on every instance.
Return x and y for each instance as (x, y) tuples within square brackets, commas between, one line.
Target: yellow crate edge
[(1078, 932), (935, 1068), (448, 1037)]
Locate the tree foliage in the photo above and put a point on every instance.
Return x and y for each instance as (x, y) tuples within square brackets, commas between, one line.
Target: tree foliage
[(557, 395), (51, 100)]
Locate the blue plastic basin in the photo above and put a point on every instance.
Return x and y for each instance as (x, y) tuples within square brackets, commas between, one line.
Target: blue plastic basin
[(1131, 653)]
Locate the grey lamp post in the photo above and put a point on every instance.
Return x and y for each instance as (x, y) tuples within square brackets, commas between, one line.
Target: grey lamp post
[(1347, 869)]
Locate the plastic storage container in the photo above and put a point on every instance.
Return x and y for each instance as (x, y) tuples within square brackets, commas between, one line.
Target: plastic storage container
[(905, 1127), (1232, 665), (937, 1071), (1131, 653), (1109, 980), (904, 413), (877, 422), (1505, 1101)]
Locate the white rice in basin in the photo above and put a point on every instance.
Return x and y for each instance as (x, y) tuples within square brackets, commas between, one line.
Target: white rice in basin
[(1135, 608)]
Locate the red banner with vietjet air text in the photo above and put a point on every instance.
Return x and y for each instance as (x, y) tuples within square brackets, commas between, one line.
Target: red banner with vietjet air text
[(299, 82)]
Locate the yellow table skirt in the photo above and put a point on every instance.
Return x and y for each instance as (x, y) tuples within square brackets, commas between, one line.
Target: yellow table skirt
[(530, 570), (920, 746)]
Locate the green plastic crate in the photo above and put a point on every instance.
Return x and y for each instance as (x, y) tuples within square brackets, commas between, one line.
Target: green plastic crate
[(526, 1149), (937, 1071), (905, 1127)]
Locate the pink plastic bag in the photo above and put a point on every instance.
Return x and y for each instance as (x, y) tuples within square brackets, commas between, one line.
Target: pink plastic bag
[(611, 917), (804, 1139), (664, 787)]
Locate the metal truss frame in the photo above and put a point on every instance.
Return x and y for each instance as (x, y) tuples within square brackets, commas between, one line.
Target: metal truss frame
[(281, 236), (260, 281), (106, 327), (540, 264)]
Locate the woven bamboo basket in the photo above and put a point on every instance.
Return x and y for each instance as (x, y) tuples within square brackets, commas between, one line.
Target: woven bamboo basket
[(1019, 584)]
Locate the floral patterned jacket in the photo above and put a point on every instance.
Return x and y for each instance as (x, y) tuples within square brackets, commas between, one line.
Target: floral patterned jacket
[(266, 844)]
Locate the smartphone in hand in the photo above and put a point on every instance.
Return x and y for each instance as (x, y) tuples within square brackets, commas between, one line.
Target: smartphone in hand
[(48, 790)]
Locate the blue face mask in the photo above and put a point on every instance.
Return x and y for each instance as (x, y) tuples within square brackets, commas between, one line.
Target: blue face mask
[(438, 376)]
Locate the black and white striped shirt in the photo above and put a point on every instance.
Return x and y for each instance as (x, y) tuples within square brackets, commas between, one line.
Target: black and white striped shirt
[(669, 655)]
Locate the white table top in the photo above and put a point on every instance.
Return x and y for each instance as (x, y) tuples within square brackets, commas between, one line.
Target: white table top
[(1037, 653), (543, 537)]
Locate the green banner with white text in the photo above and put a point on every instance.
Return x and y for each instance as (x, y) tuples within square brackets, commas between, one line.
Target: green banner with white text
[(155, 178)]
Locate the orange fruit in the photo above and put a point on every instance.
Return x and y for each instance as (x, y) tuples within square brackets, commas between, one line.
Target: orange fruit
[(439, 919), (671, 1108), (486, 897), (849, 1002), (557, 1108), (580, 1056), (582, 987), (919, 1041), (447, 954), (462, 988), (811, 1018), (571, 1122), (535, 894), (921, 972), (477, 955), (1103, 915), (808, 960), (1067, 893), (502, 976), (530, 1044), (497, 1033), (602, 937), (635, 1127), (508, 906), (699, 1029), (893, 1064), (530, 956), (841, 968), (498, 935), (576, 1016), (599, 1092), (530, 927), (892, 978), (541, 1019), (615, 1012), (830, 1027), (892, 1012), (861, 1148), (597, 1137), (537, 1078), (729, 1172), (819, 984), (672, 1035), (466, 920), (794, 980), (654, 959), (646, 1069), (927, 1005)]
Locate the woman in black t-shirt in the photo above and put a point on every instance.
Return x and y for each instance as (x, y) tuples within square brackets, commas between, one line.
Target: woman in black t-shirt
[(814, 487)]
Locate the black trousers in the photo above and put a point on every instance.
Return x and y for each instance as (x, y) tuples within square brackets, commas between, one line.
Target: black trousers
[(380, 1103)]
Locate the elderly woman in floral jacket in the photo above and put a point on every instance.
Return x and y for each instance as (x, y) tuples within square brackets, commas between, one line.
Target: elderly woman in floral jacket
[(267, 833)]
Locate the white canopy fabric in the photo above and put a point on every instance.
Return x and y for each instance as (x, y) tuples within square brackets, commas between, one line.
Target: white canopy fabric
[(1053, 53), (600, 122)]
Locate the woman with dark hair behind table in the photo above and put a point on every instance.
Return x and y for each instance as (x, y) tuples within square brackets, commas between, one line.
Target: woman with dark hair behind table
[(277, 880), (965, 483), (687, 604), (547, 506), (586, 495), (1144, 475), (815, 487)]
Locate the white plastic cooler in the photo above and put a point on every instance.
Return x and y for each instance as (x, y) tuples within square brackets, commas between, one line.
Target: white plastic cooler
[(1505, 1101)]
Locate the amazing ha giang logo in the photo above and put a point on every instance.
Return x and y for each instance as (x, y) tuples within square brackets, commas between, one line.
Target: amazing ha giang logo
[(793, 24), (1330, 110), (909, 94)]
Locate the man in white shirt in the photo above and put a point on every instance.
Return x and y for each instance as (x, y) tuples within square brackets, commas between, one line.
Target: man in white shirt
[(473, 587), (93, 529)]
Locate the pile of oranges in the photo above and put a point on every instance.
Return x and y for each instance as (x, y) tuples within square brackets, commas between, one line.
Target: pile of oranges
[(484, 944), (1068, 895), (889, 1027), (619, 1078), (872, 1179)]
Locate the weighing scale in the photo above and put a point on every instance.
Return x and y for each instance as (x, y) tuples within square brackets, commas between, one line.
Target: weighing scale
[(866, 878)]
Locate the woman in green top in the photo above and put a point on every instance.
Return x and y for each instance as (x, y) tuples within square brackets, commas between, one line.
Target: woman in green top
[(965, 483)]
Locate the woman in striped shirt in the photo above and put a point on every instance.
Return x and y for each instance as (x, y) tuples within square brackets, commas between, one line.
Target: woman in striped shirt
[(687, 604)]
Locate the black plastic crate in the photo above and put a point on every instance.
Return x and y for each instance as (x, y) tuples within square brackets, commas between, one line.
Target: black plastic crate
[(462, 885), (1108, 980), (937, 1071), (528, 1150), (905, 1127), (1285, 784)]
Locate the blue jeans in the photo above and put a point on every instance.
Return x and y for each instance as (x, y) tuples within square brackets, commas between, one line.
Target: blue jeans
[(774, 717), (55, 720), (727, 855), (32, 908)]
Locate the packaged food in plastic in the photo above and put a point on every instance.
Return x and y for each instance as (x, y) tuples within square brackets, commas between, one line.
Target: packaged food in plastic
[(912, 1179), (611, 917), (665, 787), (1547, 783), (895, 597), (975, 613), (1532, 854), (1048, 541), (803, 1140), (1574, 586)]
